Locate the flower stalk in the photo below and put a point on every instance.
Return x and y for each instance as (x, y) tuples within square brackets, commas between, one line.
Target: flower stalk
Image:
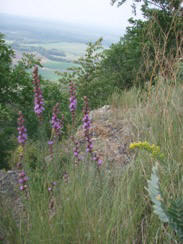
[(86, 127), (38, 98)]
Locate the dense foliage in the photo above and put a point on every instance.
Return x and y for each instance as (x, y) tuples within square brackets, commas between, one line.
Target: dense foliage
[(16, 94)]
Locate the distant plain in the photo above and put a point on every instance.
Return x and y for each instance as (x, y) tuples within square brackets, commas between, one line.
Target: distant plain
[(58, 45)]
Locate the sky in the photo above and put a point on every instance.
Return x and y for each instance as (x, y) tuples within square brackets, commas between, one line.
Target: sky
[(86, 12)]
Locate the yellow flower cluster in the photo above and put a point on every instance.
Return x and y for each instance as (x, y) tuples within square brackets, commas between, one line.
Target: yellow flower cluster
[(20, 150), (153, 149)]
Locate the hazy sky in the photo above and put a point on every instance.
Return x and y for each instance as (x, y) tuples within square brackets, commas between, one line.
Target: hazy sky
[(91, 12)]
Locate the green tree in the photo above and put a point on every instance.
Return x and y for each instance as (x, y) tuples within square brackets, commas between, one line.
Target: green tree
[(16, 94), (88, 76)]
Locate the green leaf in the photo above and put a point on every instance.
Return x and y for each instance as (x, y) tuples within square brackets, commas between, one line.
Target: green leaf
[(156, 196)]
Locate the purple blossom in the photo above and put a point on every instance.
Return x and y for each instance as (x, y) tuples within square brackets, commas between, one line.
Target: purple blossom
[(50, 142), (22, 180), (73, 101), (97, 159), (22, 131), (86, 127), (38, 98), (56, 123), (76, 148)]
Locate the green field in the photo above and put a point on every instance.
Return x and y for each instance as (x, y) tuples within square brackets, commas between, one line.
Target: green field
[(48, 74), (59, 66), (71, 49), (72, 52), (49, 68)]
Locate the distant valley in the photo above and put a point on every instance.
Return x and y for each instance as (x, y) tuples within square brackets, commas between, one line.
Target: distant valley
[(57, 44)]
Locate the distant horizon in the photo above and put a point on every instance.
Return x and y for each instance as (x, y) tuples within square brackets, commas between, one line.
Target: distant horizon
[(86, 32), (88, 13), (57, 29), (85, 25)]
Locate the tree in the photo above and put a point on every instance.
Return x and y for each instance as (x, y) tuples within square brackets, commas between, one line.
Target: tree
[(169, 6)]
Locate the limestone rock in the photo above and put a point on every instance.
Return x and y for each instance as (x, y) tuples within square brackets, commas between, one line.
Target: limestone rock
[(110, 136)]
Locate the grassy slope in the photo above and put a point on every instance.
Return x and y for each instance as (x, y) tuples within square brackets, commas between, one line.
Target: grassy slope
[(113, 206)]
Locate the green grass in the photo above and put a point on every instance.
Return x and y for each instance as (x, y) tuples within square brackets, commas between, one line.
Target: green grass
[(111, 205)]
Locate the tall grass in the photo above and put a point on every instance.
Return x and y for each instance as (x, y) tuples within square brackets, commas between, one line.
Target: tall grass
[(113, 206), (110, 204)]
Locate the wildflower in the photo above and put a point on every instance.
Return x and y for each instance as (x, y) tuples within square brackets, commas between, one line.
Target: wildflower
[(56, 123), (22, 180), (49, 189), (22, 131), (76, 148), (20, 150), (153, 149), (73, 101), (50, 142), (38, 98), (97, 159), (86, 127)]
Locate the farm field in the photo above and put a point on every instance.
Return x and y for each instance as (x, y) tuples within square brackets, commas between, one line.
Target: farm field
[(71, 52), (51, 63), (69, 48), (57, 44)]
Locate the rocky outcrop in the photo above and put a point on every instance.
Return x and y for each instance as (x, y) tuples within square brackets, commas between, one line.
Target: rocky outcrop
[(110, 136), (10, 202)]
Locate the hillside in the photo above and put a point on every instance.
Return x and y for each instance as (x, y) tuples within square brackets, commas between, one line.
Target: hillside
[(95, 157)]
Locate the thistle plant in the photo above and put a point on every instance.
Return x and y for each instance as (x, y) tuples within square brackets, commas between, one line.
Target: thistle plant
[(38, 98)]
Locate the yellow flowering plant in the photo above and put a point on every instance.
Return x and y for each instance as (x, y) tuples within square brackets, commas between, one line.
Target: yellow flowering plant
[(152, 149)]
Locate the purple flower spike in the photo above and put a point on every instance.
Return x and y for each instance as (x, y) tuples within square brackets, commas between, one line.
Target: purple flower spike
[(22, 131), (76, 148), (38, 98), (73, 101), (22, 180), (56, 123), (86, 128)]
